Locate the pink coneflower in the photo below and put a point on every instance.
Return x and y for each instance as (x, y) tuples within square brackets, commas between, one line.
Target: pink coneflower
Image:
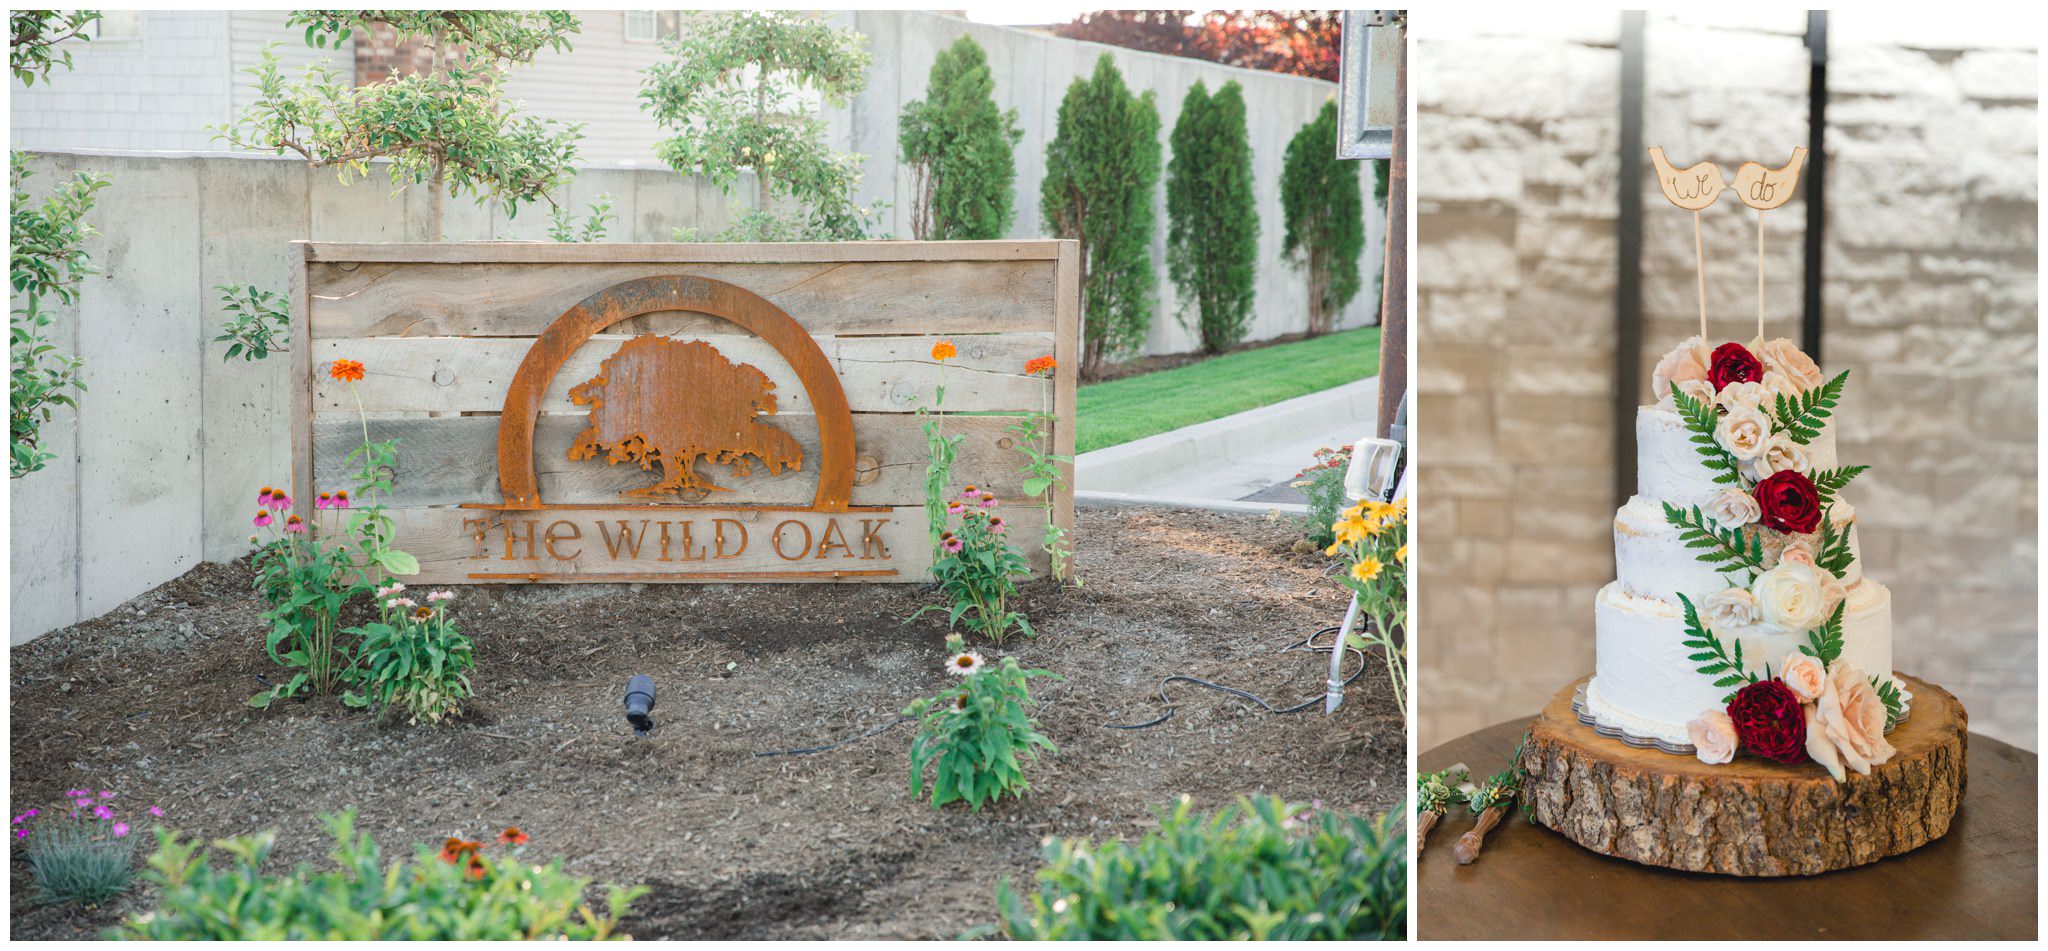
[(281, 501), (341, 498), (325, 500), (951, 543), (157, 811), (390, 589), (401, 603), (988, 500), (443, 595), (263, 519), (970, 493), (263, 497), (964, 663), (954, 508), (995, 524), (295, 524), (120, 829)]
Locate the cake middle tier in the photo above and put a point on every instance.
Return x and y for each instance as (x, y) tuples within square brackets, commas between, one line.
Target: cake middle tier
[(1669, 465), (1646, 682), (1651, 561)]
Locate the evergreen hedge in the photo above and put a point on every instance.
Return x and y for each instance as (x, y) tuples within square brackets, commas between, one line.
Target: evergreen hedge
[(1212, 240)]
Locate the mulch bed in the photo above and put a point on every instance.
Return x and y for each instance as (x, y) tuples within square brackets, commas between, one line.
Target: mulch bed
[(150, 701)]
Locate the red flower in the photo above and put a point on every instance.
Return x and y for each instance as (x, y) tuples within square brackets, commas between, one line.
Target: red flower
[(1789, 502), (349, 371), (1733, 363), (1769, 721), (1040, 364), (512, 836)]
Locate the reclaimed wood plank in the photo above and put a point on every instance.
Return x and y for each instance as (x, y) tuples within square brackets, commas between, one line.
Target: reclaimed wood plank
[(878, 374), (1067, 332), (299, 390), (570, 545), (451, 460), (516, 299)]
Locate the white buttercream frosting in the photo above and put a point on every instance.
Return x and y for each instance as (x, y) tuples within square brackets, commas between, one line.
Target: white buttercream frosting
[(1669, 467)]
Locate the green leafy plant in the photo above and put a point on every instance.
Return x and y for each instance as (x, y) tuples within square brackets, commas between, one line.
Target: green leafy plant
[(733, 94), (306, 579), (33, 38), (1324, 216), (1322, 483), (415, 660), (1371, 547), (1834, 555), (565, 229), (450, 128), (1829, 483), (977, 569), (459, 894), (46, 260), (1802, 417), (1894, 703), (1101, 168), (940, 451), (1043, 472), (1825, 641), (1727, 549), (976, 740), (1700, 420), (1260, 870), (1714, 659), (259, 322), (80, 851), (1212, 213), (959, 147)]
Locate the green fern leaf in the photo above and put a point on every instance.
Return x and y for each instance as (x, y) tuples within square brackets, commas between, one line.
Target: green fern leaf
[(1803, 417)]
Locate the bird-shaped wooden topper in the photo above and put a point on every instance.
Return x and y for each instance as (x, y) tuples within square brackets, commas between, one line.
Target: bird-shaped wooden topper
[(1696, 187)]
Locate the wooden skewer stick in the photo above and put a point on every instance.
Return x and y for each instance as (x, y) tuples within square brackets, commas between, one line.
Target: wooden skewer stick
[(1699, 260), (1759, 275), (1467, 849)]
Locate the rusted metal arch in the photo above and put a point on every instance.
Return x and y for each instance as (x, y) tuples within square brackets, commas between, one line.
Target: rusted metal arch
[(646, 295)]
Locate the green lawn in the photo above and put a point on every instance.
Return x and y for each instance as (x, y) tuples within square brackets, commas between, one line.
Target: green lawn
[(1119, 411)]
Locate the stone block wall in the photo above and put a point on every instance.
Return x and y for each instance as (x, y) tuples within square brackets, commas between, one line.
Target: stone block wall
[(1929, 298)]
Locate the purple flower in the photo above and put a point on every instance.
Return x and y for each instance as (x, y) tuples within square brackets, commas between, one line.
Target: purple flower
[(84, 802), (157, 811), (106, 794), (120, 829), (102, 812), (21, 833)]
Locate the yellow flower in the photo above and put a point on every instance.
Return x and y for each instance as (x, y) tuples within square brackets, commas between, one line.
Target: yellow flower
[(1366, 570), (1334, 549), (1401, 553)]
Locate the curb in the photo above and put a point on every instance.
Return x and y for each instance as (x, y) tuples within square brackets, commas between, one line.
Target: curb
[(1221, 442), (1120, 500)]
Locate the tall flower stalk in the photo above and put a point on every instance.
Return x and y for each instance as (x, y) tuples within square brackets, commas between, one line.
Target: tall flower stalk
[(1042, 474), (940, 450)]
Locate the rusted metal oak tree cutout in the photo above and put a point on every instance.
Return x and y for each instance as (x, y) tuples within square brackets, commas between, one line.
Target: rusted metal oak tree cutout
[(658, 399), (663, 401)]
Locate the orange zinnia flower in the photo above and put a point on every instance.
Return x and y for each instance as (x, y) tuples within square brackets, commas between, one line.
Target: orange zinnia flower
[(944, 350), (349, 370), (1040, 364)]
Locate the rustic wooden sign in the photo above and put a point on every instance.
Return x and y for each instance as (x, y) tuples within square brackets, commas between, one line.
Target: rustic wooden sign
[(679, 412)]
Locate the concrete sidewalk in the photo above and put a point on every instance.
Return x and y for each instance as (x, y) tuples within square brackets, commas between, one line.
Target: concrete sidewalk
[(1246, 459)]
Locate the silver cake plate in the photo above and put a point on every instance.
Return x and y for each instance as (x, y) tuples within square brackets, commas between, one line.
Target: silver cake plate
[(1687, 749)]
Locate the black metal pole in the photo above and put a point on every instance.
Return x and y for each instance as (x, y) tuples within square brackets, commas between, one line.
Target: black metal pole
[(1628, 281), (1816, 180)]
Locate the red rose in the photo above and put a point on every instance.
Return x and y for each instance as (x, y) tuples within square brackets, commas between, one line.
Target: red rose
[(1789, 502), (1769, 721), (1733, 363)]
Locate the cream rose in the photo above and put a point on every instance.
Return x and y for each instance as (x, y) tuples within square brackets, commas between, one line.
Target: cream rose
[(1789, 597), (1805, 675), (1688, 361), (1775, 383), (1781, 453), (1832, 592), (1730, 609), (1734, 508), (1785, 357), (1736, 396), (1798, 551), (1744, 433), (1713, 737), (1845, 725), (1701, 392)]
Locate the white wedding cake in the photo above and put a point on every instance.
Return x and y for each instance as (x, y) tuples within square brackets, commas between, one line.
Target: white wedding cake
[(1703, 489)]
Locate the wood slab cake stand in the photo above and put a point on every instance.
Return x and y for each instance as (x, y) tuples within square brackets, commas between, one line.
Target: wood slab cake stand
[(1751, 816)]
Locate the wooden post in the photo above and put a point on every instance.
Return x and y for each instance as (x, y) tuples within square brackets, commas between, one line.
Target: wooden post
[(1394, 297)]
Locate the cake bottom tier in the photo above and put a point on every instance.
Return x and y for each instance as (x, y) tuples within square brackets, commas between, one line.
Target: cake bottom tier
[(1646, 683), (1750, 816)]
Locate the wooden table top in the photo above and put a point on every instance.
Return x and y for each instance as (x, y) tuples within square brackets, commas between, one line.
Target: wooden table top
[(1529, 882)]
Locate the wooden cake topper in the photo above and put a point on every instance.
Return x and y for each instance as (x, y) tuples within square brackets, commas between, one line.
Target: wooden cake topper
[(1696, 187), (661, 400)]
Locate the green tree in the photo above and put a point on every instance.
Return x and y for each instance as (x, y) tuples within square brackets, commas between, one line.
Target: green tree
[(960, 149), (46, 252), (449, 127), (33, 38), (1100, 171), (733, 92), (1212, 214), (1319, 196)]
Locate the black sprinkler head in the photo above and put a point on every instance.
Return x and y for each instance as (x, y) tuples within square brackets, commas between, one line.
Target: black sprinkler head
[(640, 703)]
